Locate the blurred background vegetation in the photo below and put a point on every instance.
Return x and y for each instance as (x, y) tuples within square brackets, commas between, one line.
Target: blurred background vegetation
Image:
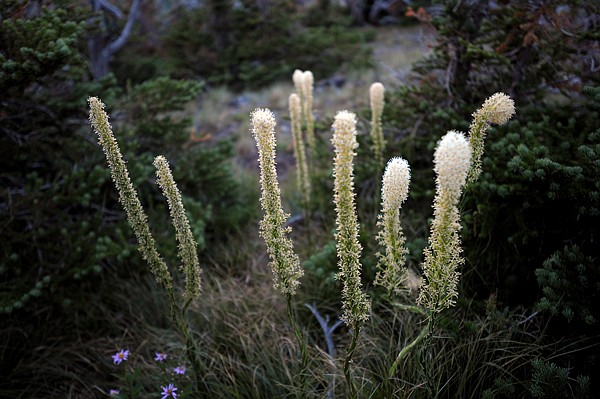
[(180, 77)]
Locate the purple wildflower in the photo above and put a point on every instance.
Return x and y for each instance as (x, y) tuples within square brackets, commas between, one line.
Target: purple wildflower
[(169, 390), (114, 392), (179, 370), (160, 356), (120, 356)]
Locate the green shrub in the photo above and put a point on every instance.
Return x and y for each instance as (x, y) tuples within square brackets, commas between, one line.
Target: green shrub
[(570, 284), (550, 381)]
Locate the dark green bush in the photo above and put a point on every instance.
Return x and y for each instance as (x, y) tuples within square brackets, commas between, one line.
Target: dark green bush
[(53, 188), (570, 283), (550, 381), (64, 235)]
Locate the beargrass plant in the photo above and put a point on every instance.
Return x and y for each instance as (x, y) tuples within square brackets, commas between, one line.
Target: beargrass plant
[(304, 85), (285, 263), (138, 220), (454, 163), (453, 160), (302, 174), (355, 303), (376, 97)]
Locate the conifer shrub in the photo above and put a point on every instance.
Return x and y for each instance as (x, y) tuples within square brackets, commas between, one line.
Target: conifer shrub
[(52, 190)]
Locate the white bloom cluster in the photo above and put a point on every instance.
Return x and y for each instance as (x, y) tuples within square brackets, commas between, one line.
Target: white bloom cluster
[(395, 183), (392, 273), (452, 160), (376, 96)]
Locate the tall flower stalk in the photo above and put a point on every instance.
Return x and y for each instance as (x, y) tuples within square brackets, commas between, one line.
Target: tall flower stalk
[(137, 219), (302, 173), (308, 81), (285, 263), (183, 233), (304, 85), (186, 252), (392, 273), (376, 96), (356, 305), (452, 160), (127, 194), (497, 109)]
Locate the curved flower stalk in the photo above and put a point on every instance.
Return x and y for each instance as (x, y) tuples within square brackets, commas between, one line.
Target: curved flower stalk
[(355, 302), (392, 273), (183, 233), (302, 175), (376, 96), (452, 159), (127, 194), (497, 109), (285, 264)]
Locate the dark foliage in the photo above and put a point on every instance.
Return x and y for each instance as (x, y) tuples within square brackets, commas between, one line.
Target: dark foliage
[(247, 45), (64, 235), (534, 210)]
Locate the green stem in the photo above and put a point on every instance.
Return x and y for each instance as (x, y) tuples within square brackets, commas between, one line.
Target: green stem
[(191, 349), (411, 308), (408, 348), (348, 360), (299, 337)]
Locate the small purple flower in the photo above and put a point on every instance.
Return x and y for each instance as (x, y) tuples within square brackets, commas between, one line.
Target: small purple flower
[(114, 392), (120, 356), (169, 390), (160, 356), (179, 370)]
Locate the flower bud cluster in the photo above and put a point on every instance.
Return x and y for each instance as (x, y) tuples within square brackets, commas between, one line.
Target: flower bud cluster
[(304, 84), (183, 233), (497, 109)]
